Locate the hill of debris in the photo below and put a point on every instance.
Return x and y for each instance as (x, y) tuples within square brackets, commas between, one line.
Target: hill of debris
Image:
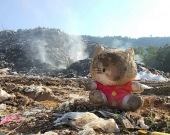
[(48, 52), (41, 51)]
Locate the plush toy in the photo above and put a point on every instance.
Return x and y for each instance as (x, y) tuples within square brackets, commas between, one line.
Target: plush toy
[(113, 71)]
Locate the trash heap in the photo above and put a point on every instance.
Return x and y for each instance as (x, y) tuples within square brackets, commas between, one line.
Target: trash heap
[(48, 52), (41, 51), (41, 105)]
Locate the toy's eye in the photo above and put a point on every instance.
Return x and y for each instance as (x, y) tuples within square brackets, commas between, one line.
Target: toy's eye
[(104, 69)]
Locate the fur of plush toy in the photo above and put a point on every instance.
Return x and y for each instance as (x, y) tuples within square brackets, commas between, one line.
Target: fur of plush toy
[(113, 71)]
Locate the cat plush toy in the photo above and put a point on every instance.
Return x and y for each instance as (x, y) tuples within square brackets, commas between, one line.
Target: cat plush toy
[(113, 71)]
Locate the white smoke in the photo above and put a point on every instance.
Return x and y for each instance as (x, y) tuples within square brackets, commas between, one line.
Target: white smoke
[(117, 43), (39, 51), (76, 49), (59, 53), (139, 59)]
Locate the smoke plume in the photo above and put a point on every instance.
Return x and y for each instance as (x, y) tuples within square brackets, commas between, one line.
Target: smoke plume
[(117, 43)]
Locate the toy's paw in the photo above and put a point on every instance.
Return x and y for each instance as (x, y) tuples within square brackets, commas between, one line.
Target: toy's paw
[(97, 98), (90, 85), (131, 103), (134, 103)]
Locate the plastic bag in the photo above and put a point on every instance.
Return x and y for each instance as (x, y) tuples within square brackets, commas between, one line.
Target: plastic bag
[(9, 118), (4, 95), (88, 120)]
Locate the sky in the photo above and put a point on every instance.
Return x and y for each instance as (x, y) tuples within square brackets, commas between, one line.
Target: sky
[(130, 18)]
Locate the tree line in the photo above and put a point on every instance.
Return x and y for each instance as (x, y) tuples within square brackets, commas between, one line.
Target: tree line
[(112, 41), (157, 57)]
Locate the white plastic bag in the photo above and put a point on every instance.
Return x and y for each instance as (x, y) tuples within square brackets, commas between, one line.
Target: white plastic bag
[(4, 95), (87, 120), (141, 124)]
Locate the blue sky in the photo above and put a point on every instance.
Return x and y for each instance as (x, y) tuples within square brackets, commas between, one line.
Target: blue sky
[(131, 18)]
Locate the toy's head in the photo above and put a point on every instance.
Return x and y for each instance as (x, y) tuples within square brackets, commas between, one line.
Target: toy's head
[(113, 66)]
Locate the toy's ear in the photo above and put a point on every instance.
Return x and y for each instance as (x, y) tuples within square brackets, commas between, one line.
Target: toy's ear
[(130, 51), (99, 50)]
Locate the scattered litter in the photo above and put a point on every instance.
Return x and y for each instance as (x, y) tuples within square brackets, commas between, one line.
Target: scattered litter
[(146, 86), (75, 96), (2, 107), (87, 131), (138, 77), (125, 122), (87, 120), (34, 111), (72, 97), (122, 119), (65, 105), (159, 78), (34, 88), (9, 118), (4, 71), (107, 114), (142, 132), (158, 133), (46, 133), (141, 124), (108, 125), (4, 95), (150, 77), (37, 89), (67, 117)]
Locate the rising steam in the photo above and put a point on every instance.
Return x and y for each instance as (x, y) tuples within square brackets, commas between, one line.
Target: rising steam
[(60, 53), (76, 49), (117, 43)]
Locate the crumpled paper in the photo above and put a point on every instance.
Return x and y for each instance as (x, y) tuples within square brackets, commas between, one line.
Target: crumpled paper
[(87, 120)]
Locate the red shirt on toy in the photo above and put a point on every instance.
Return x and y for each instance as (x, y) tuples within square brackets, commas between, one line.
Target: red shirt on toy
[(115, 94)]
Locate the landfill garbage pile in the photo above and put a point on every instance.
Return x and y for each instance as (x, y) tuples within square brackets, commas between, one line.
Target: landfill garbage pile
[(41, 51), (76, 70), (48, 52), (47, 96), (33, 105)]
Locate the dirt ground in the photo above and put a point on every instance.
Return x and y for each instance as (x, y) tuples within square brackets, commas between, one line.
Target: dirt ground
[(36, 108)]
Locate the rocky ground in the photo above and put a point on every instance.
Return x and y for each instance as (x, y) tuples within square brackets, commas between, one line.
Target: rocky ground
[(38, 98)]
